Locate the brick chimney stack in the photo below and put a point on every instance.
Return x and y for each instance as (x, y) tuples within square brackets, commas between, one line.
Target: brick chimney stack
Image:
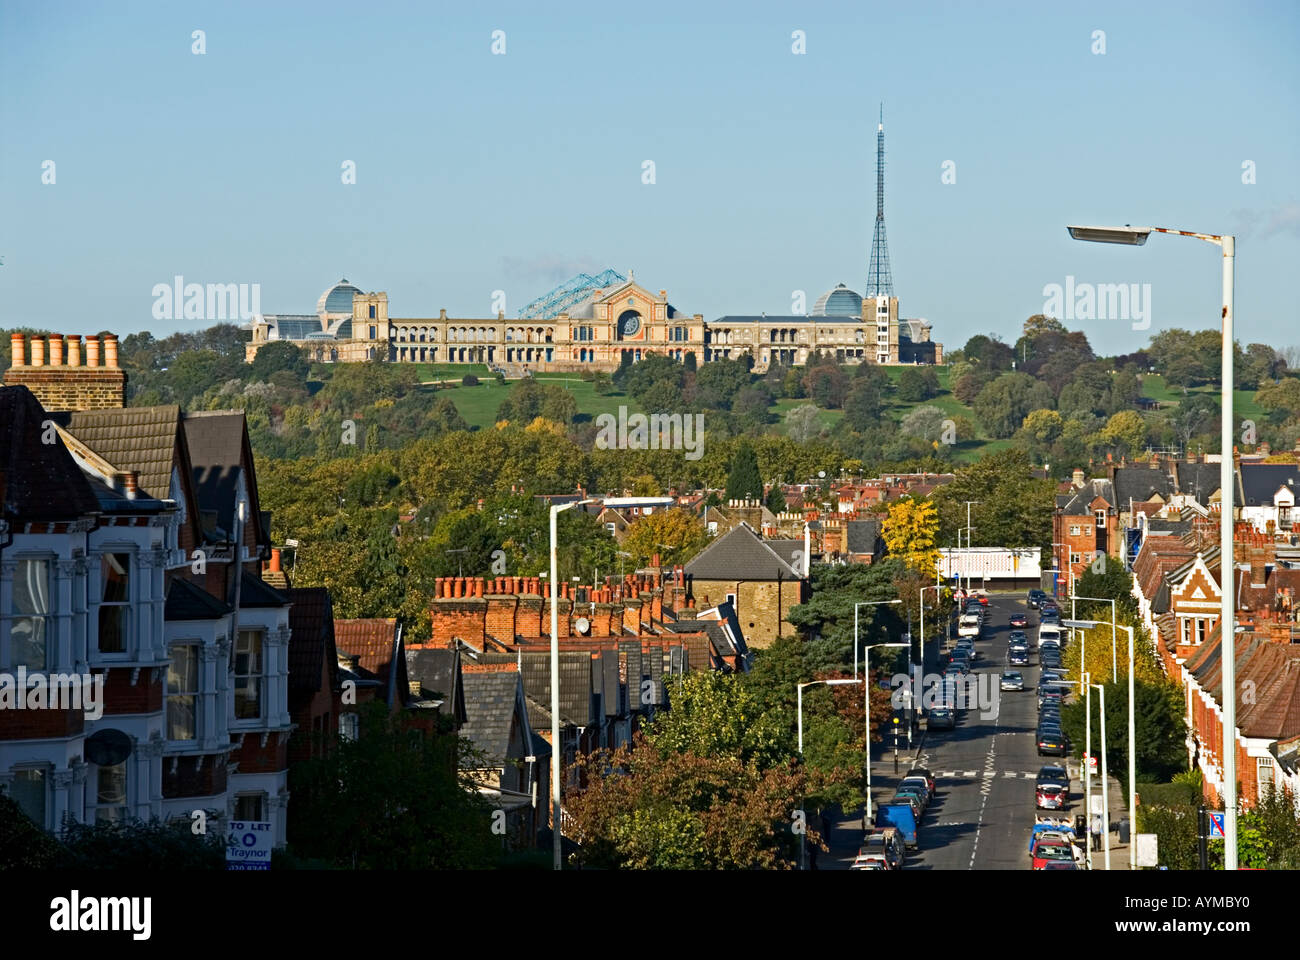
[(63, 386)]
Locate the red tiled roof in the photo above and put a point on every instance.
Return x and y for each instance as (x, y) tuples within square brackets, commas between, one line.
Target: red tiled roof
[(1269, 671), (371, 640)]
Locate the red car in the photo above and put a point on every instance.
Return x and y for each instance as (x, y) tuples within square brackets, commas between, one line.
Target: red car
[(1050, 796), (1019, 620), (1051, 851)]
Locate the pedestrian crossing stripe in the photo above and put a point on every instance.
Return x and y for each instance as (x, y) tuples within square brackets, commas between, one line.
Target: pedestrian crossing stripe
[(1006, 774)]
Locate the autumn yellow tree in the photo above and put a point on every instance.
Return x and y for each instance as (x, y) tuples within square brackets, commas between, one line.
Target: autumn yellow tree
[(910, 531), (673, 534)]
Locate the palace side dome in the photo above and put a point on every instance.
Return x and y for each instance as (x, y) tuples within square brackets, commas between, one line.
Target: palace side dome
[(840, 302)]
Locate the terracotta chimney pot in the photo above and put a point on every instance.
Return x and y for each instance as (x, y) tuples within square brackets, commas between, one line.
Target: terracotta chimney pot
[(18, 349), (74, 349), (92, 351), (56, 350), (38, 351)]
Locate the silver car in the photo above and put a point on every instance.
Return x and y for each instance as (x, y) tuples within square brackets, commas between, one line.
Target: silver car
[(1012, 680)]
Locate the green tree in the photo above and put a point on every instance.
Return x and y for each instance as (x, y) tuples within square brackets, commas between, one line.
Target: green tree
[(276, 357), (744, 479), (1003, 405), (863, 405), (391, 800), (775, 499)]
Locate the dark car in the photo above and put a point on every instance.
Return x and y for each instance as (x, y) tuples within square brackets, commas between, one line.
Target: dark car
[(1019, 620), (1052, 741), (1055, 774), (942, 718), (1036, 597), (1018, 657), (1018, 636)]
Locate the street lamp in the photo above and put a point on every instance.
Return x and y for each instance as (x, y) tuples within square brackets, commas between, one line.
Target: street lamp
[(1132, 761), (1114, 664), (864, 603), (799, 697), (866, 700), (1105, 779), (556, 809), (1136, 236), (936, 587)]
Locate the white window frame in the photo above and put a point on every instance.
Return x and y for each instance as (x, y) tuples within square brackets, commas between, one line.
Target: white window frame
[(349, 725), (260, 675), (1262, 764), (46, 771), (195, 696), (262, 801), (1074, 530), (127, 605), (48, 619)]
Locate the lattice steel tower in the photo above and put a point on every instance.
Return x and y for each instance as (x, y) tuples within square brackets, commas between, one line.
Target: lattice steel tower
[(879, 281)]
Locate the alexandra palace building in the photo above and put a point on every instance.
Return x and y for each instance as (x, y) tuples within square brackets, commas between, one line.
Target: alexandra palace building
[(589, 323), (592, 323)]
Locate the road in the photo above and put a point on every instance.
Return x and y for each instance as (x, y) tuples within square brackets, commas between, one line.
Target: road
[(985, 770)]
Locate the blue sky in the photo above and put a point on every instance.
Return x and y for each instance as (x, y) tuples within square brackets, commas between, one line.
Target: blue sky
[(478, 172)]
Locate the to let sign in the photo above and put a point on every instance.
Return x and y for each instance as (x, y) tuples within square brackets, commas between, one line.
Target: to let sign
[(249, 844)]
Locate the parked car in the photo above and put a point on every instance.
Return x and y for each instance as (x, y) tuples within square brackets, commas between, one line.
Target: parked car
[(942, 718), (1050, 796), (1012, 680), (1019, 620), (926, 774), (914, 792), (1056, 775), (1036, 597), (883, 844), (923, 782), (968, 626), (1051, 741), (902, 816), (1053, 851), (868, 862)]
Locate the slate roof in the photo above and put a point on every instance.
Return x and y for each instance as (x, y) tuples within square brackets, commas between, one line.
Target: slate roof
[(255, 593), (791, 320), (188, 601), (1140, 483), (1197, 480), (576, 670), (862, 536), (490, 702), (740, 555), (1258, 482), (38, 481), (311, 642), (133, 438), (1078, 503), (438, 671), (1274, 671), (218, 449)]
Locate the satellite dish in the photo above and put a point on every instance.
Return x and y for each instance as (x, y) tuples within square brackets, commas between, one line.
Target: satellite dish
[(583, 624), (108, 748)]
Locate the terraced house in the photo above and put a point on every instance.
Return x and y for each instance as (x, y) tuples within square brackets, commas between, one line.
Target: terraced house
[(131, 550)]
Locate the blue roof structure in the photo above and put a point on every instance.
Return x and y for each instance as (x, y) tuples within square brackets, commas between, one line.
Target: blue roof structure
[(551, 305)]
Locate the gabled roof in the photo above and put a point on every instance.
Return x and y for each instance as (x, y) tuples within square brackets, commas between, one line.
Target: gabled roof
[(143, 439), (740, 555), (493, 699), (188, 601), (311, 641), (1141, 483), (438, 671), (219, 452), (376, 642), (1259, 482), (576, 670), (38, 481), (1078, 502), (1272, 671)]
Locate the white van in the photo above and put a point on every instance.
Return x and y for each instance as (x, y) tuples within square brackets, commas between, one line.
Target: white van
[(1050, 631), (969, 625)]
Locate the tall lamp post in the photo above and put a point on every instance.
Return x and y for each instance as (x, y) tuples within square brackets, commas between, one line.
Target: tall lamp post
[(866, 701), (1132, 760), (556, 751), (864, 603), (803, 848), (1136, 236), (1114, 663), (1105, 778)]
